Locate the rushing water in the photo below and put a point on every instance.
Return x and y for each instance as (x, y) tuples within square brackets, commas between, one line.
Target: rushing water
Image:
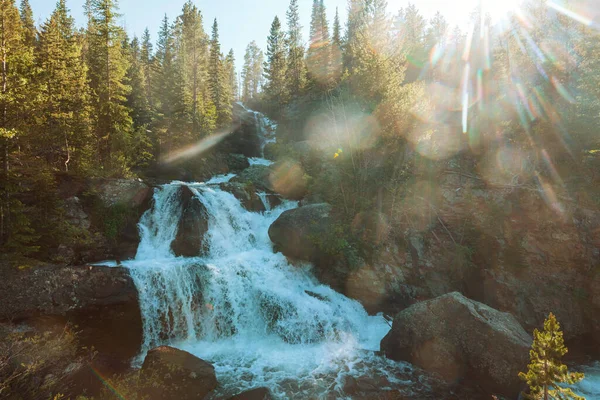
[(259, 320), (244, 308)]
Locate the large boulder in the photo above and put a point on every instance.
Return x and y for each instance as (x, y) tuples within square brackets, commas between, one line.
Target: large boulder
[(237, 162), (458, 339), (101, 301), (117, 207), (246, 194), (296, 231), (245, 138), (128, 192), (56, 290), (288, 179), (193, 225), (257, 175), (177, 374)]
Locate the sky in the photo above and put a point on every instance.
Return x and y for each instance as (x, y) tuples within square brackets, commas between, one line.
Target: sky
[(241, 21)]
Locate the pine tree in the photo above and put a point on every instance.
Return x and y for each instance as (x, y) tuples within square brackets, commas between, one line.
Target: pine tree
[(337, 30), (16, 100), (147, 60), (137, 100), (252, 72), (192, 55), (218, 80), (170, 126), (275, 67), (64, 112), (546, 372), (28, 23), (108, 68), (295, 59), (355, 28), (232, 75)]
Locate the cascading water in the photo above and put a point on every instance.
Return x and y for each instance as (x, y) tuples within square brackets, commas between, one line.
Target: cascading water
[(244, 308), (241, 306)]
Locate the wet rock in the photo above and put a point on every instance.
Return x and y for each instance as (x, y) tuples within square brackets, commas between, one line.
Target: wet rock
[(193, 225), (295, 231), (246, 194), (237, 162), (254, 394), (246, 138), (458, 339), (257, 175), (177, 374)]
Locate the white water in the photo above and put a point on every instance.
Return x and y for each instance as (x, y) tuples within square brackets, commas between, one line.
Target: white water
[(260, 320), (589, 387)]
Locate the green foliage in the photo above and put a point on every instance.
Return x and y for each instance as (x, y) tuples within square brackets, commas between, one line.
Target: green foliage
[(546, 374)]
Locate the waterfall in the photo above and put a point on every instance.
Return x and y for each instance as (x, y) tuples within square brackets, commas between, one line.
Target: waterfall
[(244, 308)]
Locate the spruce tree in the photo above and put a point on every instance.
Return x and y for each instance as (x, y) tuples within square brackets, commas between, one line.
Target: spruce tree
[(30, 30), (192, 54), (64, 110), (318, 56), (108, 68), (295, 60), (337, 30), (231, 75), (252, 72), (218, 80), (147, 60), (16, 100), (275, 67), (546, 373)]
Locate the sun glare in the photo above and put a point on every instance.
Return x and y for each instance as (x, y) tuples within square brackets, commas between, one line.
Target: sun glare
[(498, 10)]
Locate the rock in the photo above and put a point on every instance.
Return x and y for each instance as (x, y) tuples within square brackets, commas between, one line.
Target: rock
[(177, 374), (55, 290), (245, 139), (127, 192), (270, 151), (288, 180), (237, 162), (74, 213), (257, 175), (246, 194), (121, 203), (295, 231), (193, 225), (254, 394), (458, 338), (101, 301)]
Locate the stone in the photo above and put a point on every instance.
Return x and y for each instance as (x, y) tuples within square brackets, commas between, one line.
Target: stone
[(258, 175), (246, 194), (295, 231), (245, 138), (129, 192), (237, 162), (459, 339), (193, 225), (177, 374), (253, 394), (74, 213)]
